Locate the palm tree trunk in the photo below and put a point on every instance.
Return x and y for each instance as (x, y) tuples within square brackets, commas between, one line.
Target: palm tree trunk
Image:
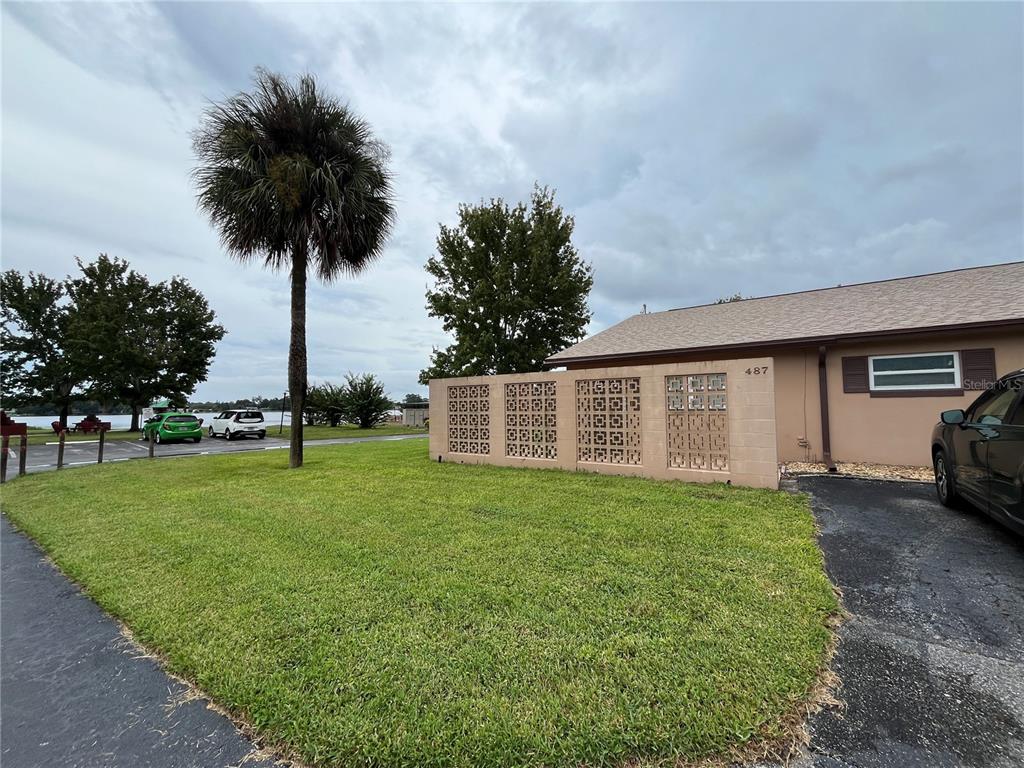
[(297, 354)]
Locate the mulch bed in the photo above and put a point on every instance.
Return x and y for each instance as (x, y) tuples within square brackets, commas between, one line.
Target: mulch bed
[(873, 471)]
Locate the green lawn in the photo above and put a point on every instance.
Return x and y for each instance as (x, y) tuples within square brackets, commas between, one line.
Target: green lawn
[(324, 431), (376, 608)]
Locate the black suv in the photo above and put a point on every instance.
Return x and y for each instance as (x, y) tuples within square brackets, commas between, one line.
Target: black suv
[(978, 454)]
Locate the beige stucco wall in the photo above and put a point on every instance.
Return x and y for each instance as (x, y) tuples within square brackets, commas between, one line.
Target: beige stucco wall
[(883, 430), (896, 430), (750, 415)]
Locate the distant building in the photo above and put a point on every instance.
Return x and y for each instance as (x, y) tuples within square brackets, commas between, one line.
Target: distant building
[(415, 414)]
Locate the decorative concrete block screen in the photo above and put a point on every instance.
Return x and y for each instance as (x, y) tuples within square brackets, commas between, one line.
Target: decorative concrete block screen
[(608, 421), (531, 429), (698, 425), (469, 419), (704, 421)]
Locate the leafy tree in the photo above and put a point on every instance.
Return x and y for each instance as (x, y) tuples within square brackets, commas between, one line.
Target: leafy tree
[(413, 399), (365, 401), (292, 177), (730, 299), (141, 341), (510, 286), (38, 365)]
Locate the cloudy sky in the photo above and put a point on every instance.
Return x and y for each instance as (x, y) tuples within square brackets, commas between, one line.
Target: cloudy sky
[(703, 149)]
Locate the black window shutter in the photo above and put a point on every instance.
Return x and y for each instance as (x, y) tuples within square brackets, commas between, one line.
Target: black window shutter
[(855, 374), (978, 368)]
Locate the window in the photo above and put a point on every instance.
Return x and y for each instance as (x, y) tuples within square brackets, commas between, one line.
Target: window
[(1017, 418), (934, 370), (994, 406)]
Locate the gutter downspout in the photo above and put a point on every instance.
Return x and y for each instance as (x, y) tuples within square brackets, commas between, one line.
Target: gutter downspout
[(826, 441)]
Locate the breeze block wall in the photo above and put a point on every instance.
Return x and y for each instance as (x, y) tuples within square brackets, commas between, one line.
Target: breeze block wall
[(700, 422)]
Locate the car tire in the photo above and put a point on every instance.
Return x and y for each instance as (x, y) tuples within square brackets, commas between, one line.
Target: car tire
[(159, 439), (261, 435), (945, 480), (212, 433), (196, 439), (227, 434)]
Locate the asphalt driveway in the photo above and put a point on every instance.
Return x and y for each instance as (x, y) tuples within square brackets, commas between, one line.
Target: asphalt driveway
[(932, 657)]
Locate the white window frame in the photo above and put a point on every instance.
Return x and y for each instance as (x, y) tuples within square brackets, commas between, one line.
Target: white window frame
[(957, 382)]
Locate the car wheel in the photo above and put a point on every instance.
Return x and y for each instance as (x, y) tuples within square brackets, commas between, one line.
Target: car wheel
[(158, 438), (945, 481), (212, 433), (228, 435), (261, 435), (196, 439)]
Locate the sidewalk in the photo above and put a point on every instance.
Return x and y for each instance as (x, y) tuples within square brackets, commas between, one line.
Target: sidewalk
[(75, 692)]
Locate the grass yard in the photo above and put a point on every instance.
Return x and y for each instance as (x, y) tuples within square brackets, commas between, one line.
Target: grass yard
[(325, 431), (376, 608)]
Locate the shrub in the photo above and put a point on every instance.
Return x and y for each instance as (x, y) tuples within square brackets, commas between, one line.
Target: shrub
[(364, 401)]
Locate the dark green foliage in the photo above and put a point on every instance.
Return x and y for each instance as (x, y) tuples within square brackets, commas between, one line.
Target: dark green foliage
[(325, 404), (292, 177), (365, 403), (510, 286), (38, 364), (413, 399), (141, 340), (108, 334)]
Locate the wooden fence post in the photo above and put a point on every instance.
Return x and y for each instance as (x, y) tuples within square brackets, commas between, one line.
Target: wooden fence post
[(60, 450), (3, 459), (99, 456), (152, 435), (22, 455)]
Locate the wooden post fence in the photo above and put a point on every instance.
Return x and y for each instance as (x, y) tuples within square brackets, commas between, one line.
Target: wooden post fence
[(22, 455), (99, 456), (152, 436), (60, 449), (3, 459)]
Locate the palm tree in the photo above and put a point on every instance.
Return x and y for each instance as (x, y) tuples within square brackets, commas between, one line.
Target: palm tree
[(289, 175)]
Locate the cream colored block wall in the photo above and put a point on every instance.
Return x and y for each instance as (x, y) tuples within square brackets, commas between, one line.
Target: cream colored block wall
[(750, 414)]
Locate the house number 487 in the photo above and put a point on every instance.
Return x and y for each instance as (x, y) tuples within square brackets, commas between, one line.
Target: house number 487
[(759, 371)]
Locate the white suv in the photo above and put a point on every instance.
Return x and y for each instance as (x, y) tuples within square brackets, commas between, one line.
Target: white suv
[(232, 424)]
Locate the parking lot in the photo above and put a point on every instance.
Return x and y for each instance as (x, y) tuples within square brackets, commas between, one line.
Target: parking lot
[(41, 458)]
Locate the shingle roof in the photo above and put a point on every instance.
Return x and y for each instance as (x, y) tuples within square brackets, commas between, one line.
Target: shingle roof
[(965, 297)]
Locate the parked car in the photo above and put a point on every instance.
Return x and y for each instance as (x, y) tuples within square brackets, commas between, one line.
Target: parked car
[(242, 423), (173, 426), (978, 454)]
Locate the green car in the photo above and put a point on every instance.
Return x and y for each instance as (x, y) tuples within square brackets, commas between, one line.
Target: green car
[(173, 426)]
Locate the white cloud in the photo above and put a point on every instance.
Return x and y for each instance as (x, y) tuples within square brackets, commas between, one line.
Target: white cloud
[(704, 150)]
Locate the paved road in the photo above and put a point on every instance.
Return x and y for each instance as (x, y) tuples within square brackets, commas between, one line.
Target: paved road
[(932, 659), (77, 694), (41, 458)]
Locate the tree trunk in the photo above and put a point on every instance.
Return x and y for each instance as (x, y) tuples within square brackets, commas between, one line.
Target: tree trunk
[(297, 353), (64, 409), (135, 419)]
